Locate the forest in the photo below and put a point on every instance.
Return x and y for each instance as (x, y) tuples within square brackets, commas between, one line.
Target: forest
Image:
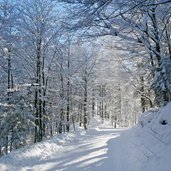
[(62, 62)]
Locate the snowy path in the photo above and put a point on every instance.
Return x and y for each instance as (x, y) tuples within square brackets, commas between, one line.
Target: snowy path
[(90, 152), (101, 149)]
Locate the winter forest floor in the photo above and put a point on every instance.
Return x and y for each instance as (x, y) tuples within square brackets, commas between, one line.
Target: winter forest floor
[(100, 148)]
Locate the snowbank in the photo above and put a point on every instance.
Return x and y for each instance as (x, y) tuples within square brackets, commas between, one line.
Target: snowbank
[(154, 139), (28, 156)]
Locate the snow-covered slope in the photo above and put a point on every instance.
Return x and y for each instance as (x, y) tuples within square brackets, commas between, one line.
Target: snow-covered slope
[(154, 139), (25, 158), (144, 147)]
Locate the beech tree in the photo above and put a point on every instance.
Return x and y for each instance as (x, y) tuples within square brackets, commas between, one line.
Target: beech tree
[(38, 30)]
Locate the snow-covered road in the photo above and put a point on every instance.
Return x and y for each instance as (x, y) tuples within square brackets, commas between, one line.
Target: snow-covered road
[(89, 152), (100, 149)]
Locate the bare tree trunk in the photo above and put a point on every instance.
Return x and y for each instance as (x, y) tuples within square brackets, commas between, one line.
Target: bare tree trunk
[(44, 82), (85, 101), (10, 86), (36, 117), (68, 104), (61, 122), (119, 117), (143, 104), (68, 89), (80, 113), (93, 103), (38, 96)]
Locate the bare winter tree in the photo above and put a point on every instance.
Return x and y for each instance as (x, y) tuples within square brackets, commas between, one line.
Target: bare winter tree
[(39, 31)]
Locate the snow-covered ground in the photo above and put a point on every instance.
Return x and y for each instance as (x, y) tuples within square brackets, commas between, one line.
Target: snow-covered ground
[(145, 147)]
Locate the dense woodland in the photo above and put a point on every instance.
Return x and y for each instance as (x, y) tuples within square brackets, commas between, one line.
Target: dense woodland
[(62, 62)]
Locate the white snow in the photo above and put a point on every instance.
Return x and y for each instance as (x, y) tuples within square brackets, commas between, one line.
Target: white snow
[(145, 147)]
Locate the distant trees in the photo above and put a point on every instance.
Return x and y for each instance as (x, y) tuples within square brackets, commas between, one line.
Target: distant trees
[(113, 89), (87, 71)]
